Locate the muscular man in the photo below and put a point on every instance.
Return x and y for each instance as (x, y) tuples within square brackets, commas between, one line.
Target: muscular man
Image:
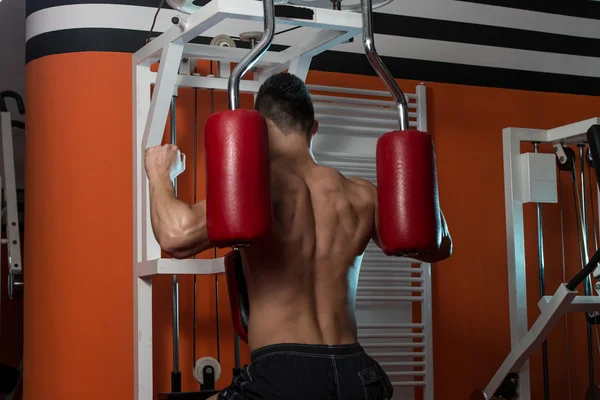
[(302, 280)]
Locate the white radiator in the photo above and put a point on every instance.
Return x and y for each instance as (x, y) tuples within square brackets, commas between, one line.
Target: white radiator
[(394, 295)]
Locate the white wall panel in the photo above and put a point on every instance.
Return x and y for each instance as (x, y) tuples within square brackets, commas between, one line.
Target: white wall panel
[(393, 331)]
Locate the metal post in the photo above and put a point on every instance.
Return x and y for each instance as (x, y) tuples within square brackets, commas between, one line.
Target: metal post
[(379, 66), (233, 87), (236, 351), (195, 318), (588, 282), (541, 265), (176, 374)]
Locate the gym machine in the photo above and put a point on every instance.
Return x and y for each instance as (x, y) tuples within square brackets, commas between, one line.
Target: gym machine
[(532, 178), (9, 376), (333, 26), (150, 115)]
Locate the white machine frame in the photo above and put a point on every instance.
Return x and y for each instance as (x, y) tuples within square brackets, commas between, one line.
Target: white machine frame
[(8, 184), (150, 116), (524, 341), (10, 212)]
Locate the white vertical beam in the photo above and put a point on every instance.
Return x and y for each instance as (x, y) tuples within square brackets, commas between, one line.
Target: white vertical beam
[(155, 121), (300, 66), (10, 193), (223, 69), (427, 321), (422, 107), (161, 98), (142, 287), (148, 248), (142, 349), (515, 235)]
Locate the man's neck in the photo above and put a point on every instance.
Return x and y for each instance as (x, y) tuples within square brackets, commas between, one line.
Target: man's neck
[(293, 149)]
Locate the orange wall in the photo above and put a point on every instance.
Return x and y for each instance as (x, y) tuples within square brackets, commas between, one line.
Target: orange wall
[(78, 305)]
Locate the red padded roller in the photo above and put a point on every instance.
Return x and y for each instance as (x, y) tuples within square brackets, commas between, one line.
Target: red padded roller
[(409, 211), (238, 202), (238, 294)]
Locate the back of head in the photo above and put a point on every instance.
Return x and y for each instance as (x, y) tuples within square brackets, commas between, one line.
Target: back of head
[(284, 99)]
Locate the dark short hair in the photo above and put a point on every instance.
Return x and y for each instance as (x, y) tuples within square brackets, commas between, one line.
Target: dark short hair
[(284, 99)]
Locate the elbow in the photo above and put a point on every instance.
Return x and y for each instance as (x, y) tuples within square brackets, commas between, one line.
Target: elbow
[(182, 240), (445, 250), (172, 244)]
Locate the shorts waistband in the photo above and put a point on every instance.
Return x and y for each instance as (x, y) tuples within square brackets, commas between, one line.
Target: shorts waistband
[(309, 349)]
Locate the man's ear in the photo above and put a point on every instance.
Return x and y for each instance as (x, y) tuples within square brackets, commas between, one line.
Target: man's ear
[(315, 128)]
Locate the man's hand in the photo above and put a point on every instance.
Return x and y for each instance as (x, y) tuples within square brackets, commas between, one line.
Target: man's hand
[(158, 160)]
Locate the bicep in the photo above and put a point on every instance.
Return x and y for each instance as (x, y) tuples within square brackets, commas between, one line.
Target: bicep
[(193, 234)]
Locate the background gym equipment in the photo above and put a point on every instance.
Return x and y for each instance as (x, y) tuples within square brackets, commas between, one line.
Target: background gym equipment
[(390, 287), (13, 236), (541, 266), (151, 116), (176, 373), (532, 178), (10, 376)]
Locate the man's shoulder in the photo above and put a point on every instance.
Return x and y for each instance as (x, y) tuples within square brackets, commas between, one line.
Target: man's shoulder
[(331, 177), (362, 184)]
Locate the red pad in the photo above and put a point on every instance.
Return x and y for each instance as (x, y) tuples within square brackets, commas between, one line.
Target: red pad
[(409, 210), (238, 198), (238, 294)]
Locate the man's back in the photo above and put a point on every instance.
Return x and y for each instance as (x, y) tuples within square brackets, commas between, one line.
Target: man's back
[(302, 280)]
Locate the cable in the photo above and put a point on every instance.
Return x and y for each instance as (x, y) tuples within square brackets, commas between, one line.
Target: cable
[(176, 373), (287, 30), (212, 111), (592, 203), (576, 196), (584, 272), (595, 235), (541, 265), (194, 202), (154, 20), (564, 271)]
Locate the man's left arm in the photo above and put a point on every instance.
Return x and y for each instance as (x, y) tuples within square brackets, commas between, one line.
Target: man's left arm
[(179, 228), (445, 250)]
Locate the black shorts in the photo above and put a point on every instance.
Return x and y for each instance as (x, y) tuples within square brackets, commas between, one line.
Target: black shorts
[(310, 372)]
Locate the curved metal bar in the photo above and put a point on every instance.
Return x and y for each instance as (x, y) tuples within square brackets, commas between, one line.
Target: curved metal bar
[(379, 66), (233, 87), (14, 95)]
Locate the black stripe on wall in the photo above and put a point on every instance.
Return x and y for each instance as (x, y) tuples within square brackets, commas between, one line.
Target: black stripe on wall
[(113, 40), (99, 39), (573, 8), (451, 31), (462, 74), (37, 5)]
